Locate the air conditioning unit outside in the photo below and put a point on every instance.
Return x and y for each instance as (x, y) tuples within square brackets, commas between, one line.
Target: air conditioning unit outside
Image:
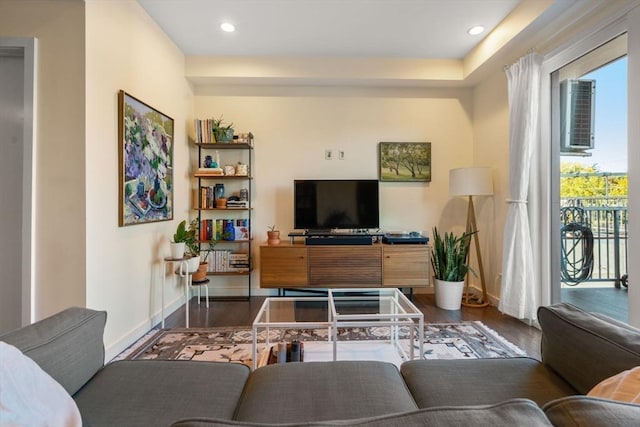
[(577, 115)]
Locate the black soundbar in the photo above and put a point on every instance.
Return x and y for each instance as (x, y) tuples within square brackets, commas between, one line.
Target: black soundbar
[(339, 240)]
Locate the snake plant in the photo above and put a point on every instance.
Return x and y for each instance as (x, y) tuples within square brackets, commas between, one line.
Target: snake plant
[(449, 256)]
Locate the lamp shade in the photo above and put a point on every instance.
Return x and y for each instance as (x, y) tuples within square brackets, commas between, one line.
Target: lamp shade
[(473, 181)]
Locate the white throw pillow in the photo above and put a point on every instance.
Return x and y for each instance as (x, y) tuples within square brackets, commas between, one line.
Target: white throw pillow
[(29, 396), (624, 387)]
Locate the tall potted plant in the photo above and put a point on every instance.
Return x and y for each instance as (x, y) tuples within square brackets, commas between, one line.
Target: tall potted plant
[(449, 262)]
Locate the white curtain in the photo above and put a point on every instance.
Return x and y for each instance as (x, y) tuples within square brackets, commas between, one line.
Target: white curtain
[(521, 290)]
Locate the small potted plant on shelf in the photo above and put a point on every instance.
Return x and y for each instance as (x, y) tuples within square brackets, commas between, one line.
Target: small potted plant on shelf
[(222, 132), (449, 262), (273, 236)]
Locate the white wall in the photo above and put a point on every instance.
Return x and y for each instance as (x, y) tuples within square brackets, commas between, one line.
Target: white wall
[(59, 169), (127, 50), (294, 126), (491, 148)]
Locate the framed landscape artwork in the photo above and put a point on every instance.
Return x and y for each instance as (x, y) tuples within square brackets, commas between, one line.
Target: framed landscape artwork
[(145, 159), (405, 161)]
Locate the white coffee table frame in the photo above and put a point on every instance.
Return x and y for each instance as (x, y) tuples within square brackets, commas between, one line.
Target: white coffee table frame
[(264, 321), (401, 313)]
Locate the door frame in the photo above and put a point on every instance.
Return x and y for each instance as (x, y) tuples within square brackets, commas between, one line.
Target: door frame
[(548, 160)]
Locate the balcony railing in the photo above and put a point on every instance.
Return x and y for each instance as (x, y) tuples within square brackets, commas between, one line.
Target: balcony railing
[(604, 239)]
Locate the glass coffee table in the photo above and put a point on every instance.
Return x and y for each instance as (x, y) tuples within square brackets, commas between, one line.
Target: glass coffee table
[(345, 308), (289, 313)]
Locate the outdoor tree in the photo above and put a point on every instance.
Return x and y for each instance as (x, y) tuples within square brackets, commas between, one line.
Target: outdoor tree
[(578, 180)]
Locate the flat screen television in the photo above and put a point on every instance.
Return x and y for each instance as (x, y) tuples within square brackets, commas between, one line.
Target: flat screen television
[(325, 204)]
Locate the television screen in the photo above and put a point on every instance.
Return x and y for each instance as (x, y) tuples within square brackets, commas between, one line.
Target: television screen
[(324, 204)]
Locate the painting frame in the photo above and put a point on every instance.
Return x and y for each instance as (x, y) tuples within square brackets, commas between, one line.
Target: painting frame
[(145, 162), (404, 161)]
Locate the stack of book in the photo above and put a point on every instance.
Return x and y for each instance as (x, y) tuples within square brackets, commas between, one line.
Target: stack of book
[(225, 261), (238, 262), (209, 172), (237, 204)]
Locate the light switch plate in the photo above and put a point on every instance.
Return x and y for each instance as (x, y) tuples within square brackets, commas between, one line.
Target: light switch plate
[(328, 155)]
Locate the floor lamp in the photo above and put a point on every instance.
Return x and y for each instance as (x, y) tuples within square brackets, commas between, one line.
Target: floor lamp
[(472, 181)]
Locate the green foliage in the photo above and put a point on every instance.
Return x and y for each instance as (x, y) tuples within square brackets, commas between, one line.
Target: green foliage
[(272, 228), (449, 256), (181, 235), (221, 130), (220, 124), (577, 180), (189, 236)]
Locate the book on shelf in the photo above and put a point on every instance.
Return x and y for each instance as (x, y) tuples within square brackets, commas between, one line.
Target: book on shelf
[(225, 261), (203, 129), (237, 204), (209, 172)]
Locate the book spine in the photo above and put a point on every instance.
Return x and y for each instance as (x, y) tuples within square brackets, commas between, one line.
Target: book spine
[(282, 352), (295, 351), (218, 229)]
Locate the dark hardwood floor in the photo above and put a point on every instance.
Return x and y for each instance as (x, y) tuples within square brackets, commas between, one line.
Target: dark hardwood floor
[(242, 313)]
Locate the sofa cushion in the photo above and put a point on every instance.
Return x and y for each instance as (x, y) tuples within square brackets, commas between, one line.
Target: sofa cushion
[(481, 381), (585, 349), (68, 345), (29, 396), (318, 391), (591, 412), (516, 412), (159, 392)]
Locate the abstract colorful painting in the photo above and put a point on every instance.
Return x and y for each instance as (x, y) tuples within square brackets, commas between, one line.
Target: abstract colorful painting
[(145, 156)]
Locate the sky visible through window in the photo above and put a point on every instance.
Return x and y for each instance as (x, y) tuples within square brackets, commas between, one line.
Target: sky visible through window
[(610, 152)]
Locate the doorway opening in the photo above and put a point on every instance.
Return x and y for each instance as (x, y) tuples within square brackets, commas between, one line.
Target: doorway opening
[(17, 124), (589, 122)]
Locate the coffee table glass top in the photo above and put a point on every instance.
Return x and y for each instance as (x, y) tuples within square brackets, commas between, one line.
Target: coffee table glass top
[(282, 311), (371, 304)]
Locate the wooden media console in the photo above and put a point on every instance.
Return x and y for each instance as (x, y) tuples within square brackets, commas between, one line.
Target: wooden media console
[(296, 265)]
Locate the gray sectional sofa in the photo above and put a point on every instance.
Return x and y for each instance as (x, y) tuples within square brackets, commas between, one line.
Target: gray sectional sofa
[(578, 349)]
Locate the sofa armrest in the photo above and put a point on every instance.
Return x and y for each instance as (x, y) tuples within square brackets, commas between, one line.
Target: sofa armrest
[(585, 349), (68, 345), (591, 412)]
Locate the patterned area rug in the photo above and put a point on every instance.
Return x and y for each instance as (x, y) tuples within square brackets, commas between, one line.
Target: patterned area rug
[(466, 340)]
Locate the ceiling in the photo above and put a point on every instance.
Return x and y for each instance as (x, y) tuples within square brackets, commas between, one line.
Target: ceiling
[(374, 43), (434, 29)]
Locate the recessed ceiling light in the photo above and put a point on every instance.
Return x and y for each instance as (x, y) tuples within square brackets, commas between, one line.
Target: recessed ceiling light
[(475, 30), (228, 27)]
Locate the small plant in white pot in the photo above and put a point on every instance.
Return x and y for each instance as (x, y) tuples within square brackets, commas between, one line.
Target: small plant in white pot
[(449, 262), (180, 239)]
